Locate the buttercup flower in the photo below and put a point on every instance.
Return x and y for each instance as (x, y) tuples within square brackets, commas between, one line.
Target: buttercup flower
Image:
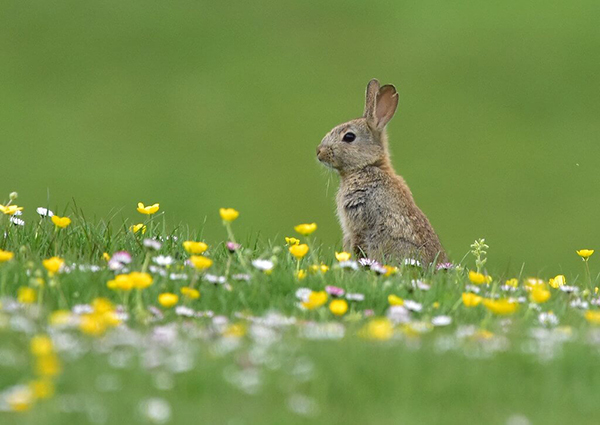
[(558, 281), (41, 345), (512, 282), (395, 300), (201, 262), (26, 295), (228, 214), (292, 241), (10, 209), (585, 253), (500, 306), (122, 282), (195, 247), (593, 316), (379, 329), (300, 274), (342, 256), (140, 280), (471, 300), (479, 278), (168, 299), (6, 256), (315, 300), (53, 265), (315, 268), (150, 209), (338, 307), (539, 295), (191, 293), (42, 388), (306, 229), (137, 227), (61, 222), (299, 251)]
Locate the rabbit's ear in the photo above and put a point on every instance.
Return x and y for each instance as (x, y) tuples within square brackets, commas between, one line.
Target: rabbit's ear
[(385, 106), (371, 98)]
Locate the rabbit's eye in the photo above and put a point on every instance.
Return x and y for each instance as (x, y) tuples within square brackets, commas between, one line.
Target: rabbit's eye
[(349, 137)]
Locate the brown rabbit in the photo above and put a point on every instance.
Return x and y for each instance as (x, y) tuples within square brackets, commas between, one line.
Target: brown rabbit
[(377, 212)]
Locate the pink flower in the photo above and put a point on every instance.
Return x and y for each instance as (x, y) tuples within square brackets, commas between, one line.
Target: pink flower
[(334, 291)]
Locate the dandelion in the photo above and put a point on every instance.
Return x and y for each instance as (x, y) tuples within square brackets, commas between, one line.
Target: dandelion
[(378, 329), (6, 256), (557, 281), (471, 300), (168, 299), (395, 300), (195, 248), (190, 293), (10, 209), (315, 300), (61, 222), (292, 241), (26, 295), (342, 256), (299, 251), (500, 306), (137, 227), (53, 265), (150, 209), (539, 295), (305, 229), (479, 278), (338, 307), (228, 214), (201, 262)]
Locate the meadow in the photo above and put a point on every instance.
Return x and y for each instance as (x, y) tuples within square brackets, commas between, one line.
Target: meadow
[(135, 322)]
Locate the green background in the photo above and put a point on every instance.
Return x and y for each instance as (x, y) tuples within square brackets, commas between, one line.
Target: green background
[(199, 105)]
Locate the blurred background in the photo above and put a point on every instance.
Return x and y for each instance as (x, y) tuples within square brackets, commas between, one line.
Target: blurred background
[(200, 105)]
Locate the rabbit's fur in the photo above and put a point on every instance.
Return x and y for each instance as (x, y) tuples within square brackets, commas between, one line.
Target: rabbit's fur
[(377, 212)]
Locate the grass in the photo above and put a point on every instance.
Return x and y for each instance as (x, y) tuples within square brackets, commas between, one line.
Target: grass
[(251, 355)]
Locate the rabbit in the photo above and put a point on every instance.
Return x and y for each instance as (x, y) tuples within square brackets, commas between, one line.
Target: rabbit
[(376, 209)]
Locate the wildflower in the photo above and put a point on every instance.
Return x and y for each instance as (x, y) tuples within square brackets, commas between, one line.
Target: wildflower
[(61, 222), (548, 318), (348, 265), (191, 293), (26, 295), (338, 307), (315, 268), (122, 282), (471, 300), (150, 209), (539, 295), (48, 365), (355, 297), (41, 345), (512, 282), (6, 256), (60, 318), (228, 214), (292, 241), (195, 247), (583, 253), (53, 265), (500, 306), (441, 320), (379, 329), (413, 305), (300, 274), (137, 227), (479, 278), (305, 229), (299, 251), (92, 324), (20, 399), (44, 212), (436, 305), (303, 294), (163, 260), (334, 291), (342, 256), (17, 221), (42, 388), (232, 246), (411, 262), (10, 209), (445, 266), (390, 270), (140, 280), (168, 299), (201, 262), (152, 244), (315, 300), (395, 300), (263, 265), (558, 281), (592, 316)]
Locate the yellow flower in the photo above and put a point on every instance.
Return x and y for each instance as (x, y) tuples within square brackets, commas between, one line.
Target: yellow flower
[(26, 295), (236, 330), (92, 324), (105, 256), (6, 256), (436, 305), (191, 293), (41, 345), (315, 300), (47, 365), (585, 253), (140, 280), (479, 278), (471, 300), (201, 262), (122, 282), (390, 270), (558, 281), (292, 241), (61, 222), (539, 294), (150, 209), (20, 400), (380, 329), (60, 317), (10, 209), (306, 229), (338, 307), (593, 316), (53, 265), (137, 227), (300, 274), (42, 388), (168, 299), (512, 282), (342, 256), (228, 214), (500, 306), (315, 268), (102, 305), (299, 251), (195, 247), (395, 300)]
